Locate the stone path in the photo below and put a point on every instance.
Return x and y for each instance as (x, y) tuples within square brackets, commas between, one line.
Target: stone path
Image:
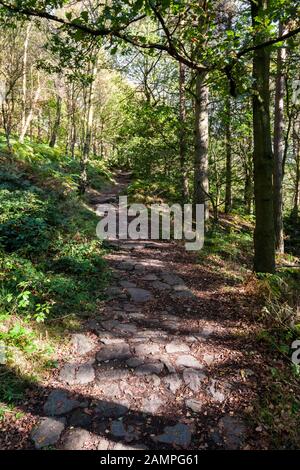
[(145, 372)]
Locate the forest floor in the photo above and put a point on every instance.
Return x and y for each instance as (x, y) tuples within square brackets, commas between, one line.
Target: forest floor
[(169, 360)]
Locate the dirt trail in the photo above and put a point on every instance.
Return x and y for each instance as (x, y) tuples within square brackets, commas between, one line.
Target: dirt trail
[(168, 362)]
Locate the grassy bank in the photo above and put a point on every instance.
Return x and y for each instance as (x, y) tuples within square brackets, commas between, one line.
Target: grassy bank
[(52, 271)]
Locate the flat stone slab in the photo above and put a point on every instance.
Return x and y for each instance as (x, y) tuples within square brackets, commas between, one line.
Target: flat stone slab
[(178, 435), (161, 285), (110, 324), (193, 379), (171, 279), (76, 439), (110, 338), (145, 349), (80, 419), (111, 410), (177, 347), (48, 432), (139, 295), (115, 292), (150, 368), (82, 344), (150, 277), (173, 382), (126, 266), (126, 328), (194, 405), (152, 404), (77, 374), (215, 391), (111, 375), (233, 431), (128, 433), (127, 284), (188, 361), (119, 351), (134, 361), (58, 403)]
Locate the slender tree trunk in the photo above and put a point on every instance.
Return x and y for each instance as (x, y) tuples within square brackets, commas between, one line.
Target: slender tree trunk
[(201, 186), (279, 146), (30, 114), (88, 133), (264, 233), (248, 192), (228, 188), (24, 82), (57, 120), (182, 134)]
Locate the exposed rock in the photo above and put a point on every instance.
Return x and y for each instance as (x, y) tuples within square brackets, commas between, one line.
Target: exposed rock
[(171, 279), (173, 382), (215, 391), (145, 349), (126, 328), (111, 410), (47, 432), (80, 419), (118, 429), (126, 266), (150, 277), (152, 404), (149, 368), (58, 403), (82, 344), (194, 405), (139, 295), (76, 439), (121, 446), (179, 435), (119, 351), (177, 347), (134, 362), (127, 284), (193, 379), (110, 324), (115, 292), (110, 338), (77, 374), (161, 285), (188, 361), (111, 375)]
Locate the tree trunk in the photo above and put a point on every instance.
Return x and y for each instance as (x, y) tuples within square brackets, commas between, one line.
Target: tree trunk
[(56, 125), (56, 122), (228, 189), (279, 146), (88, 134), (248, 192), (24, 83), (30, 114), (201, 186), (182, 134), (264, 233)]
